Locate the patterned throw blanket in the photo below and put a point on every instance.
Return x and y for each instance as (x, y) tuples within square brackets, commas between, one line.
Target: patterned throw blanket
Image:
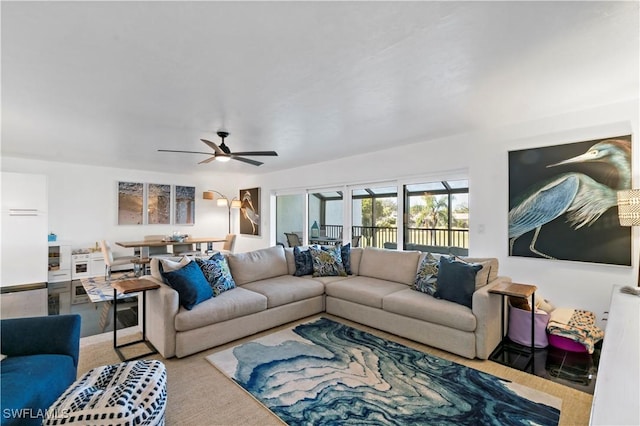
[(577, 325)]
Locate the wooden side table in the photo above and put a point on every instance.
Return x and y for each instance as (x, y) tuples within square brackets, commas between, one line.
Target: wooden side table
[(126, 287), (522, 291)]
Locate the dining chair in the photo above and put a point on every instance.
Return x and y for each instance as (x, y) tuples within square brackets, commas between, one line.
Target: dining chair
[(110, 261), (162, 251), (185, 250), (292, 239), (229, 244)]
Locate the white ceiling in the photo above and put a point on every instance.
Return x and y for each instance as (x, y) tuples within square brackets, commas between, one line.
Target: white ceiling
[(109, 83)]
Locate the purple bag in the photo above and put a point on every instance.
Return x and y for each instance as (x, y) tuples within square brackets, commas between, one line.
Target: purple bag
[(520, 327)]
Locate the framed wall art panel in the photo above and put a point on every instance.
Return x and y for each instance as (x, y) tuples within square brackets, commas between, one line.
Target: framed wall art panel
[(158, 204), (563, 201), (185, 205), (250, 211), (130, 203)]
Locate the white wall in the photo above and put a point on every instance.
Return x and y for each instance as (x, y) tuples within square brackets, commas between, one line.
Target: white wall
[(483, 155), (83, 202), (83, 199)]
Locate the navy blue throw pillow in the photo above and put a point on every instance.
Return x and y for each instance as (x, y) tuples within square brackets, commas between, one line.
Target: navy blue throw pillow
[(190, 283), (303, 261), (345, 252), (456, 280)]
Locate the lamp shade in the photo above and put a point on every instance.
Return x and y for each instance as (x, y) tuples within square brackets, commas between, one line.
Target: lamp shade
[(222, 202), (207, 195), (629, 207), (236, 204)]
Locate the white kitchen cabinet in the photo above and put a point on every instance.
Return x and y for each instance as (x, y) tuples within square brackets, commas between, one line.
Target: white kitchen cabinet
[(96, 264), (24, 229), (59, 262)]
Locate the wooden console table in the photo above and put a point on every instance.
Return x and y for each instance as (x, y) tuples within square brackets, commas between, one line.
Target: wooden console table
[(126, 287)]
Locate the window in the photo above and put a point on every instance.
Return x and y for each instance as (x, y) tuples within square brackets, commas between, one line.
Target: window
[(437, 214), (289, 217), (325, 216), (374, 217), (415, 216)]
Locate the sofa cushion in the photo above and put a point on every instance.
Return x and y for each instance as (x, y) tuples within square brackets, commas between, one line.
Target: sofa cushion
[(190, 283), (456, 280), (217, 273), (229, 305), (34, 382), (326, 280), (286, 289), (364, 290), (327, 261), (427, 308), (258, 265), (390, 265)]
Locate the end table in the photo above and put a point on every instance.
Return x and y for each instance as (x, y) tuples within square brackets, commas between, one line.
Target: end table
[(126, 287), (522, 291)]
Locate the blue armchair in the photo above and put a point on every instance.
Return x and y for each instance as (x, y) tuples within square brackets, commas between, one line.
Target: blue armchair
[(42, 361)]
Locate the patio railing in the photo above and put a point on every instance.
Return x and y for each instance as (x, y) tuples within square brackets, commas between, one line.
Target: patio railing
[(376, 236)]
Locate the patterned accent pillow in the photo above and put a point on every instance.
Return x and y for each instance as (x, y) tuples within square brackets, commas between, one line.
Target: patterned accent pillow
[(216, 271), (427, 275), (303, 261), (327, 262)]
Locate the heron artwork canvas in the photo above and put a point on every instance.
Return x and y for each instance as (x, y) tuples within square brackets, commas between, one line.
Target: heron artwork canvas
[(563, 201), (250, 211)]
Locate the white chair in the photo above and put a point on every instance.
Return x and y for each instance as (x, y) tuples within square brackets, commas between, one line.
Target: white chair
[(185, 250), (111, 261), (162, 251), (229, 244)]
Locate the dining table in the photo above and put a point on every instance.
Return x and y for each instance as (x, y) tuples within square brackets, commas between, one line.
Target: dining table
[(329, 241), (169, 242)]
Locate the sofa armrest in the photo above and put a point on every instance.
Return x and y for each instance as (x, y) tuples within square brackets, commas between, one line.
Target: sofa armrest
[(488, 312), (56, 334), (162, 307)]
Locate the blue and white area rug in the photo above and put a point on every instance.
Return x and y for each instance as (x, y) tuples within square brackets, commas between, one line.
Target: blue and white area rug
[(324, 372)]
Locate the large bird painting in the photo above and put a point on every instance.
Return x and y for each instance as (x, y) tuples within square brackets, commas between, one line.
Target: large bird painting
[(563, 205), (250, 211)]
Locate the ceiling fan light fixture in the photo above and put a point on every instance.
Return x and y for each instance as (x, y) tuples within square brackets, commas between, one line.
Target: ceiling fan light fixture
[(223, 158)]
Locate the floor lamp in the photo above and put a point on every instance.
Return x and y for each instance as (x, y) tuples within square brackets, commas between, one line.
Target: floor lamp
[(223, 201), (629, 212)]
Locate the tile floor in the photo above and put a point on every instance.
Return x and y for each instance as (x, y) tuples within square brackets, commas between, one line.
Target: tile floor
[(576, 370)]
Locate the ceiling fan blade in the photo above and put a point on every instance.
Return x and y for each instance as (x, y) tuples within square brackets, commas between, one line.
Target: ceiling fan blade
[(208, 160), (186, 152), (213, 146), (257, 153), (247, 160)]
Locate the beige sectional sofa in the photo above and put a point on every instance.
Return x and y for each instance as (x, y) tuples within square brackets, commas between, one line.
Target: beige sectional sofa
[(379, 293)]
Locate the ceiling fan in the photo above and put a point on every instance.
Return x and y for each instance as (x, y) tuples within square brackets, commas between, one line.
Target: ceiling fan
[(223, 153)]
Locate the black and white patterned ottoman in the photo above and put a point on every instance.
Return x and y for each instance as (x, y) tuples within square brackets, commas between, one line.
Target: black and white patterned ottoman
[(130, 393)]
